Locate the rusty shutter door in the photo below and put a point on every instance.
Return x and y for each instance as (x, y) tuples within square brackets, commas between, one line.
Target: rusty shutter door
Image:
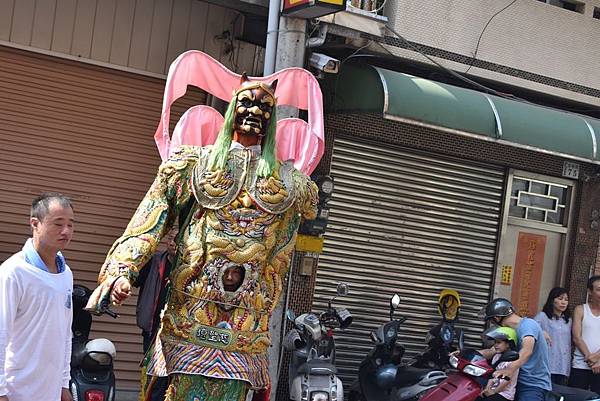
[(85, 131)]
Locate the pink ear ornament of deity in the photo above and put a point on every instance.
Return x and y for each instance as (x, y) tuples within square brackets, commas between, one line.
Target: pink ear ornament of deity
[(297, 140), (198, 126)]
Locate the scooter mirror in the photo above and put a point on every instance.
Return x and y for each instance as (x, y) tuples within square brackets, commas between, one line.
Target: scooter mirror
[(342, 289), (395, 301), (290, 315)]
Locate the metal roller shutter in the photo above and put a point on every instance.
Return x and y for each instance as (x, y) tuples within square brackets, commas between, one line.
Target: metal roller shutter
[(408, 223), (85, 131)]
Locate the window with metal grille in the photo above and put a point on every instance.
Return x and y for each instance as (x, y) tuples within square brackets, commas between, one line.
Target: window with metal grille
[(541, 201)]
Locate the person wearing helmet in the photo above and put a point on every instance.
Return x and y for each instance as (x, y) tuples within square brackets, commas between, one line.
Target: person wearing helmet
[(533, 364), (505, 339)]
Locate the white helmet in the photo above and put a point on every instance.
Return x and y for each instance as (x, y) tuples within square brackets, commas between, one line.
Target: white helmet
[(101, 350)]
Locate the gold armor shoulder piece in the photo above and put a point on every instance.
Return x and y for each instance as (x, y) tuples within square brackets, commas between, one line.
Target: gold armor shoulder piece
[(216, 189), (274, 194), (180, 159)]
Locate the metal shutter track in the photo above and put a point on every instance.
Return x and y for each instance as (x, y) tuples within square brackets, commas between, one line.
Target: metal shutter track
[(411, 223), (88, 132)]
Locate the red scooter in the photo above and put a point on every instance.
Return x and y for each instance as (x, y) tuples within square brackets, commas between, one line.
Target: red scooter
[(471, 377)]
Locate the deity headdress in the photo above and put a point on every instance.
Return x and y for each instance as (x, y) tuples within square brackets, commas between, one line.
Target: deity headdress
[(268, 159), (294, 139)]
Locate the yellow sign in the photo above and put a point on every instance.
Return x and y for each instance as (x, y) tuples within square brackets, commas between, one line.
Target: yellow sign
[(336, 2), (309, 243), (506, 275)]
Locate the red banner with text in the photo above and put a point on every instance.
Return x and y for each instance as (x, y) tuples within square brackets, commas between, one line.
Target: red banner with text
[(529, 265)]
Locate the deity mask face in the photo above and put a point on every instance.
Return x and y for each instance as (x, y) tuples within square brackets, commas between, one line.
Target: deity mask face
[(254, 107)]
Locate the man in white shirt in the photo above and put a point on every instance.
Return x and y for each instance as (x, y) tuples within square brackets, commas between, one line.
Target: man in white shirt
[(36, 308), (586, 326)]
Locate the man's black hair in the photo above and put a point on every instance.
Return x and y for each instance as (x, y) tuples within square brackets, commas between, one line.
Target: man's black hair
[(591, 282), (40, 206)]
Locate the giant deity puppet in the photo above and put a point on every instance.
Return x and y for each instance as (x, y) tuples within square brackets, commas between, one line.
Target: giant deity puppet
[(238, 207)]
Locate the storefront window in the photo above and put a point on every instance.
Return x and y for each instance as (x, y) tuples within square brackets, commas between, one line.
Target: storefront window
[(538, 200), (516, 211)]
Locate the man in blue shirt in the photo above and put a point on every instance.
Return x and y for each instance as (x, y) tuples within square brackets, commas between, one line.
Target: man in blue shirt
[(533, 364)]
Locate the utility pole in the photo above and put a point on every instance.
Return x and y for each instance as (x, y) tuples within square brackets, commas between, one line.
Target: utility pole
[(291, 50), (286, 47)]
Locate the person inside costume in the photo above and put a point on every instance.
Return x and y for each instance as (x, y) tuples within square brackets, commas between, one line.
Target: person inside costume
[(238, 209)]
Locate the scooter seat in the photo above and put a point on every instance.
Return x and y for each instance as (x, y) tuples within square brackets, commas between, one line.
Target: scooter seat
[(318, 367), (409, 375)]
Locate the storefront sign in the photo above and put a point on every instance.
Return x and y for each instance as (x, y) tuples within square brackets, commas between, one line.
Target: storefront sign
[(312, 8), (529, 264), (506, 275), (309, 243)]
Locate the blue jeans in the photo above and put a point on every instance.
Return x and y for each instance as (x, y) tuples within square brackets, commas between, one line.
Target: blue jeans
[(529, 393)]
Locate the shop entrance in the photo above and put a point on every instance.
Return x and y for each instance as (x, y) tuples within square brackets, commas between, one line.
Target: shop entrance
[(531, 258)]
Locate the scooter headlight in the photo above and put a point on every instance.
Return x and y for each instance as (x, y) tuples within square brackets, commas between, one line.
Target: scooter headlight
[(319, 396), (453, 361), (474, 370)]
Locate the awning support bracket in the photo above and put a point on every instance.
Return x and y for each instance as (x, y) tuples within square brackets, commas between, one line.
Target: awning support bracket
[(496, 117), (593, 134)]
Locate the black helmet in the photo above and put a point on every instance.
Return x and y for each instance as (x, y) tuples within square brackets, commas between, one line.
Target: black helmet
[(499, 307)]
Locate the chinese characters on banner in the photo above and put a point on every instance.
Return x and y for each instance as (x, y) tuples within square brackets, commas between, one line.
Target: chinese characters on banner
[(529, 264)]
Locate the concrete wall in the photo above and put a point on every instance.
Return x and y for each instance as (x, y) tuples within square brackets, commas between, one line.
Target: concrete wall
[(529, 36), (144, 35)]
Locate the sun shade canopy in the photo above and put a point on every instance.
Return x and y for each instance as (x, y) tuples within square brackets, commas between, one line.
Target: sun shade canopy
[(403, 97)]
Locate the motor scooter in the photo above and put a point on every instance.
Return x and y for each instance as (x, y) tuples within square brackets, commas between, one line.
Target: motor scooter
[(92, 375), (472, 374), (312, 371), (382, 376), (440, 338)]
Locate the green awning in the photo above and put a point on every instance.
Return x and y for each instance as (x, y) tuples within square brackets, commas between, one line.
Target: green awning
[(405, 97)]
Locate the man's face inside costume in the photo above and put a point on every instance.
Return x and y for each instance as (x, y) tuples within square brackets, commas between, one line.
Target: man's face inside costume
[(232, 278), (253, 109)]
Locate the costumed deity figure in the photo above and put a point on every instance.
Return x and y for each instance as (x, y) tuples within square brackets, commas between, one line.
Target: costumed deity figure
[(238, 209)]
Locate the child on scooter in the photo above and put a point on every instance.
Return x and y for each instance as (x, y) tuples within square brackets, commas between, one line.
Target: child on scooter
[(499, 389)]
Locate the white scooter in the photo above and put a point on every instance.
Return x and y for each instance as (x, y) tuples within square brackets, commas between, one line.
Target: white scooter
[(312, 371), (92, 375)]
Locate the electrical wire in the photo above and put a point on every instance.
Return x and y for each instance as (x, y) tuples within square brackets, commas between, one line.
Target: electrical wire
[(354, 54), (481, 86), (349, 4), (459, 76), (483, 31), (448, 70)]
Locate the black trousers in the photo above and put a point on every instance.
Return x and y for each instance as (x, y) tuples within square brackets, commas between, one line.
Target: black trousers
[(160, 385), (585, 379), (561, 380)]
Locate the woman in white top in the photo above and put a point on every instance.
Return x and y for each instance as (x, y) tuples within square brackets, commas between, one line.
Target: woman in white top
[(556, 322), (586, 328)]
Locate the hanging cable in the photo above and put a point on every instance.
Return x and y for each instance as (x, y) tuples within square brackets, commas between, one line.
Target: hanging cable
[(477, 84), (483, 31), (448, 70)]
